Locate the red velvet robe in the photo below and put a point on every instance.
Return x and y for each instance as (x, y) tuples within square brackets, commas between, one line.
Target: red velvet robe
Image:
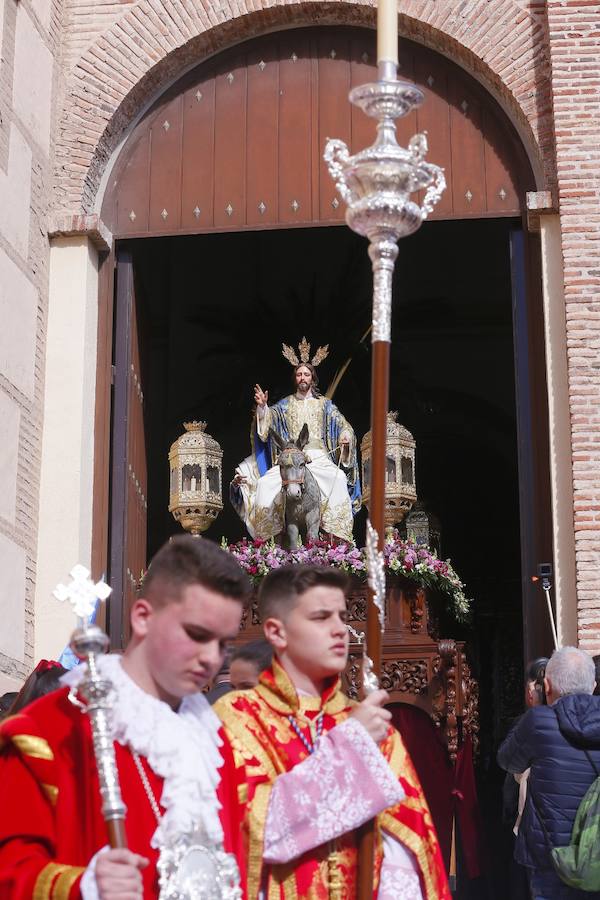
[(51, 823), (265, 745)]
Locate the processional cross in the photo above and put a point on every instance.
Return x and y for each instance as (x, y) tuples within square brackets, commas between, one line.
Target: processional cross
[(376, 184)]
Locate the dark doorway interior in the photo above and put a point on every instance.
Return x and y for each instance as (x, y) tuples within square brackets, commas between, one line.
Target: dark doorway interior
[(214, 310)]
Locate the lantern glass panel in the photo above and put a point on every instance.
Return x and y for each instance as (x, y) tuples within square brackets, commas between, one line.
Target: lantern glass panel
[(367, 472), (191, 477), (407, 470), (174, 474), (212, 476), (390, 469)]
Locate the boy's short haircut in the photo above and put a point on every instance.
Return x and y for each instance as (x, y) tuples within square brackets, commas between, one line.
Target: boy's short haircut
[(281, 588), (187, 560)]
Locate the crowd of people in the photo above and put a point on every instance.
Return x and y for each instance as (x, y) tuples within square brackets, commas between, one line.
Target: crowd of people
[(274, 779)]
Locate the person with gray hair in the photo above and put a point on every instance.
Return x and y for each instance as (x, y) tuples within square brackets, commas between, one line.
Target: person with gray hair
[(570, 671), (560, 743)]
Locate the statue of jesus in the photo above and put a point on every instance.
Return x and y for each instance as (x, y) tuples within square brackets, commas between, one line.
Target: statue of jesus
[(331, 450)]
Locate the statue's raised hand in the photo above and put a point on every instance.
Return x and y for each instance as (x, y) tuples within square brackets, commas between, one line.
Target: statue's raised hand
[(261, 397)]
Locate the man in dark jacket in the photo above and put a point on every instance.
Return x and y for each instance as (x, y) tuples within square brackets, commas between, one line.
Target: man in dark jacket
[(560, 744)]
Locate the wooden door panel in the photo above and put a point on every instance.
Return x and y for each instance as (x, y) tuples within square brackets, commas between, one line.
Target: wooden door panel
[(334, 116), (262, 157), (230, 145), (247, 131), (468, 165), (128, 518), (165, 168), (295, 131), (130, 188), (198, 154), (433, 118), (500, 171)]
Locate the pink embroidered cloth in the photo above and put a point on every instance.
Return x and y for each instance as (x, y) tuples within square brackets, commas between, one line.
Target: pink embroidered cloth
[(343, 784)]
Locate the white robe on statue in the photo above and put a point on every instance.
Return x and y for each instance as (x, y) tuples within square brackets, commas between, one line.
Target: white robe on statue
[(336, 505)]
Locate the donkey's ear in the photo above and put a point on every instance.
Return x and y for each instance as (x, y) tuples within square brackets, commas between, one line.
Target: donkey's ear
[(276, 439), (302, 440)]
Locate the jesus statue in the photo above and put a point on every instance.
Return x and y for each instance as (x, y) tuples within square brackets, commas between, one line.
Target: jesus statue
[(331, 452)]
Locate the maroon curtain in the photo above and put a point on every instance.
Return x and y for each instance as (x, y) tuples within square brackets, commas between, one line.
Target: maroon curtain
[(450, 790)]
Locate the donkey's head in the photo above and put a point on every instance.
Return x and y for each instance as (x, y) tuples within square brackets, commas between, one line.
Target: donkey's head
[(292, 462)]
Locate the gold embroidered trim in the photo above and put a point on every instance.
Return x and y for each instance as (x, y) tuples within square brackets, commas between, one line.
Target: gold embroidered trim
[(42, 889), (65, 881), (51, 792), (257, 818), (31, 745), (283, 878), (242, 793)]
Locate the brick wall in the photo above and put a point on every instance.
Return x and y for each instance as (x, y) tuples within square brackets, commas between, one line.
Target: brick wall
[(29, 80), (574, 39)]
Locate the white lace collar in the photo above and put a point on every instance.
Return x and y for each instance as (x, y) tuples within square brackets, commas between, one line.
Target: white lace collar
[(181, 747)]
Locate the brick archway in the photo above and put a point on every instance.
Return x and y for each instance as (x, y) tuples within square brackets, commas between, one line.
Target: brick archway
[(139, 51)]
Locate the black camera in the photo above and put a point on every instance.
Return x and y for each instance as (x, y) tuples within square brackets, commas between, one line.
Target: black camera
[(544, 570)]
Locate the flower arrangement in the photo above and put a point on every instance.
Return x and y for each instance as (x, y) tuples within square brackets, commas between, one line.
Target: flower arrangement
[(413, 561)]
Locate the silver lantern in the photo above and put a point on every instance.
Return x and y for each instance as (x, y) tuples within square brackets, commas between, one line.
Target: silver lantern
[(400, 485), (423, 527), (196, 461)]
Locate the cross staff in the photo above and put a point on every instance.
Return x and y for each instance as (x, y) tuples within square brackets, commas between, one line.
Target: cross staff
[(88, 642), (376, 185)]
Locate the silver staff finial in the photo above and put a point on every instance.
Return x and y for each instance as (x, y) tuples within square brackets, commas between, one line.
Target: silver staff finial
[(376, 573), (370, 679), (82, 592)]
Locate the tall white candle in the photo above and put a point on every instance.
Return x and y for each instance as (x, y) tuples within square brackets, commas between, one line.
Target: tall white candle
[(387, 30)]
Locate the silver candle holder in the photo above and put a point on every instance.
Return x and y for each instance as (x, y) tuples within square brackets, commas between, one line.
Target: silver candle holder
[(377, 183)]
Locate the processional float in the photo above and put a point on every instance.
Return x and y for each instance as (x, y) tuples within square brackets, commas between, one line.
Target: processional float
[(376, 185)]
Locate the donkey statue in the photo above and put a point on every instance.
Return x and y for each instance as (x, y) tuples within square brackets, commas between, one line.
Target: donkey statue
[(301, 495)]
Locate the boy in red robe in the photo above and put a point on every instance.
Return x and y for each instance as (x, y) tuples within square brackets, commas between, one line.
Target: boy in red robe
[(167, 743), (311, 766)]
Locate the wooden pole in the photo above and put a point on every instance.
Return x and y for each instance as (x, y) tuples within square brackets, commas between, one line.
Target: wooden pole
[(380, 391), (117, 838)]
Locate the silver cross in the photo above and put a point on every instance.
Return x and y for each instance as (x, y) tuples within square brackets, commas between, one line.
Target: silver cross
[(82, 592)]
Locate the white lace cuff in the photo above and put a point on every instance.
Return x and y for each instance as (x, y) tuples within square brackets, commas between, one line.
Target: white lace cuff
[(346, 782), (87, 885)]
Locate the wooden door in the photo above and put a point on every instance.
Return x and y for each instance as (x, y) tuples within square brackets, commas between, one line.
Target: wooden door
[(128, 489), (237, 143), (532, 431)]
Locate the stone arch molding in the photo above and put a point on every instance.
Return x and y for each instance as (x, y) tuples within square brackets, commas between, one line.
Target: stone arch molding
[(151, 44)]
